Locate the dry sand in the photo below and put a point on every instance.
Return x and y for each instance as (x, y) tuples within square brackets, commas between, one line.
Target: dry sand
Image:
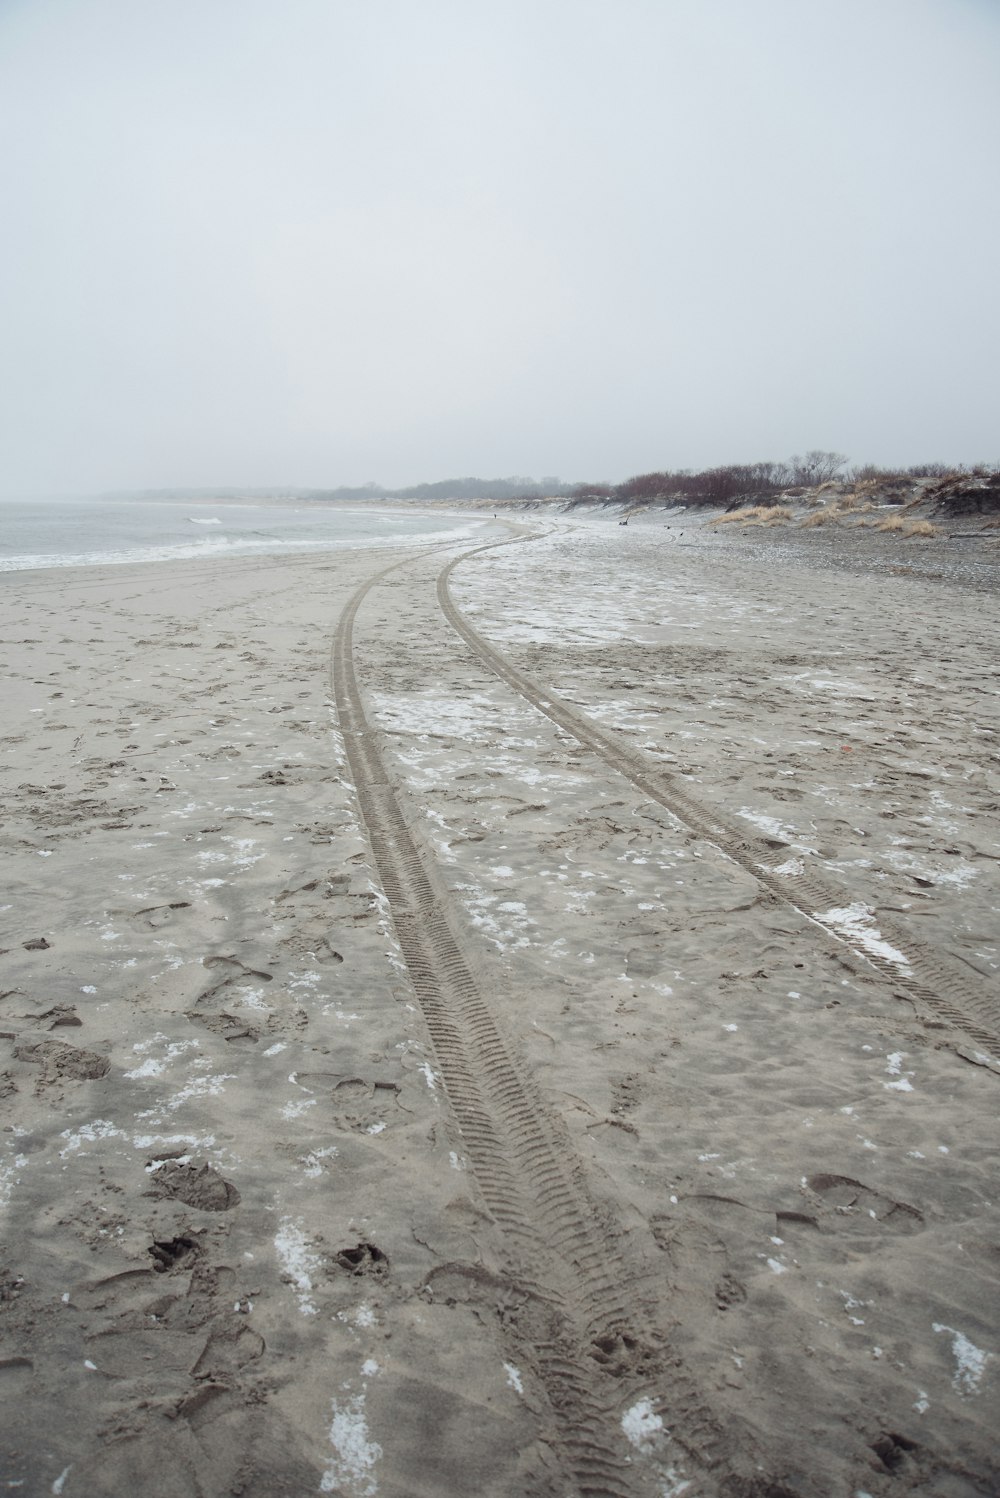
[(532, 1032)]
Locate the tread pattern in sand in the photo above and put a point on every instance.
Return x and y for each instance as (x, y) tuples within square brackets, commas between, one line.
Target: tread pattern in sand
[(580, 1320), (914, 969)]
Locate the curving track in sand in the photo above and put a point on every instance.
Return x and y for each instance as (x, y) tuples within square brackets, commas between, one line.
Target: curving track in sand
[(579, 1317), (914, 970)]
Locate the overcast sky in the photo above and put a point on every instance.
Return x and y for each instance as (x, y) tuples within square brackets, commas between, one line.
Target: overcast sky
[(316, 242)]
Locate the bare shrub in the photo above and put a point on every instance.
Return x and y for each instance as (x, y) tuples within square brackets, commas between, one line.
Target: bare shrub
[(873, 473), (815, 467), (818, 517), (921, 528), (583, 492), (891, 523)]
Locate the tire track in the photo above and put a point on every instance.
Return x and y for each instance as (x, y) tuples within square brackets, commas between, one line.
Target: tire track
[(580, 1313), (914, 970)]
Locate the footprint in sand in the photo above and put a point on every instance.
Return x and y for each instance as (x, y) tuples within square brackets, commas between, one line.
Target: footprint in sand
[(174, 1253), (229, 1026), (60, 1061), (362, 1104), (194, 1185), (240, 984), (154, 917), (714, 1243), (228, 1349), (306, 942), (859, 1208), (54, 1017), (222, 1008), (363, 1260), (129, 1291)]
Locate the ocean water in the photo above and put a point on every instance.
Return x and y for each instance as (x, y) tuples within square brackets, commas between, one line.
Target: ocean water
[(86, 532)]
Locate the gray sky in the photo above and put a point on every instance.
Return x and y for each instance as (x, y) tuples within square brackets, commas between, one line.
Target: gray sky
[(325, 241)]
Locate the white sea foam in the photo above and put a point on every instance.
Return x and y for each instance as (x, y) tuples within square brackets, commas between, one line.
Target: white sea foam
[(91, 533)]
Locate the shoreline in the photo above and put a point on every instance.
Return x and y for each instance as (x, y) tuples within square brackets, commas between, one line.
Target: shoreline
[(251, 1240), (199, 540)]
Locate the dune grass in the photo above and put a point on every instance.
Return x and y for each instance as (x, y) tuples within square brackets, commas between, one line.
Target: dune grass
[(903, 527), (757, 515)]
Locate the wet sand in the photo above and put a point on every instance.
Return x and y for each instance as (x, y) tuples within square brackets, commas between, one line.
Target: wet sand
[(523, 1032)]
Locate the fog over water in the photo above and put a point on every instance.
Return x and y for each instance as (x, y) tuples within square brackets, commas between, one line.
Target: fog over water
[(324, 242)]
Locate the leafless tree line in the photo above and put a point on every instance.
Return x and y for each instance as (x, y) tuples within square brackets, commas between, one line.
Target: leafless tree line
[(759, 483)]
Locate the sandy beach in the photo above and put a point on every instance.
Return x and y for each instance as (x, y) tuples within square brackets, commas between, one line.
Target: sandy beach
[(502, 1019)]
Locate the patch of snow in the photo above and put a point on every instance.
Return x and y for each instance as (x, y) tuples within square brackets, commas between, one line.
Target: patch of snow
[(770, 826), (428, 1075), (299, 1264), (894, 1067), (970, 1360), (10, 1178), (856, 923), (642, 1425), (101, 1128), (196, 1142), (296, 1109), (350, 1470), (312, 1163), (200, 1087)]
